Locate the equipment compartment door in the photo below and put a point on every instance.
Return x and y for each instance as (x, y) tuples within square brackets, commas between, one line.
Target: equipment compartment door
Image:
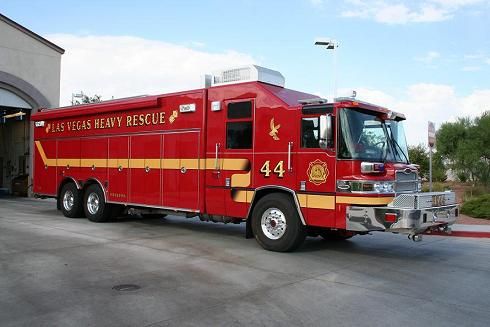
[(68, 161), (118, 164), (145, 169), (45, 181), (93, 162), (181, 170)]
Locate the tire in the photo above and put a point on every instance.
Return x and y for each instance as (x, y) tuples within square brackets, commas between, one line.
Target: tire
[(94, 205), (276, 223), (338, 235), (70, 201)]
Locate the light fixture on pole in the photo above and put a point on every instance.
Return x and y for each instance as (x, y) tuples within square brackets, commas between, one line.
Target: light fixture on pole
[(17, 114), (330, 44), (76, 96)]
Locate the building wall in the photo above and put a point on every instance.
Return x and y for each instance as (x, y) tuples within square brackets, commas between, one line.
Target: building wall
[(30, 69), (31, 61)]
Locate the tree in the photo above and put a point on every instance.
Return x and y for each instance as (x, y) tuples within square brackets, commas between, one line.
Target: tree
[(419, 155), (466, 145), (82, 98)]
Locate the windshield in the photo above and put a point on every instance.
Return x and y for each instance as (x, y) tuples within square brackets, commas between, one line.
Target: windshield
[(364, 136)]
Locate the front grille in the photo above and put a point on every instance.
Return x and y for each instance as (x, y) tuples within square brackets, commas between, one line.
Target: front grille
[(408, 201), (406, 181)]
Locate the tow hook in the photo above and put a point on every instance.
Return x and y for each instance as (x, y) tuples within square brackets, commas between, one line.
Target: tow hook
[(446, 229), (415, 237)]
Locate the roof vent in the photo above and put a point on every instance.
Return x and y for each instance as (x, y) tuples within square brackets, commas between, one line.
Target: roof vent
[(252, 73)]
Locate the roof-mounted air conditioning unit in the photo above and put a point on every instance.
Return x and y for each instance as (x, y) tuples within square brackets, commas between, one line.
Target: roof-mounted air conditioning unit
[(252, 73)]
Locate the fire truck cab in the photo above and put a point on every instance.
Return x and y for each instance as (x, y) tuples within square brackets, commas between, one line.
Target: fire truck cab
[(242, 149)]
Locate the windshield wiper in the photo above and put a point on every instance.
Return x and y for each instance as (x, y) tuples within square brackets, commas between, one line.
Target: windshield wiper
[(393, 145), (401, 150), (389, 146)]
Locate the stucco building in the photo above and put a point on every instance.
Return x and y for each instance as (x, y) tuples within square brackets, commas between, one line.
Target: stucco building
[(29, 80)]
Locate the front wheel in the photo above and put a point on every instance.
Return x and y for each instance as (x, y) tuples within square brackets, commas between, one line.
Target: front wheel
[(276, 223), (94, 205)]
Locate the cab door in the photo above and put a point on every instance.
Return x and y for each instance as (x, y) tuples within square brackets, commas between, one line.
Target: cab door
[(316, 170)]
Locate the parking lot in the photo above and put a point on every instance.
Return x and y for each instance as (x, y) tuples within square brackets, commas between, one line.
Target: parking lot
[(57, 271)]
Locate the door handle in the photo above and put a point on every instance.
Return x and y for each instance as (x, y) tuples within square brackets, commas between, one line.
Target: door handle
[(183, 170), (216, 159)]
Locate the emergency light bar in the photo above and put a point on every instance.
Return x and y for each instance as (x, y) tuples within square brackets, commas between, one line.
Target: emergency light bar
[(252, 73), (313, 101)]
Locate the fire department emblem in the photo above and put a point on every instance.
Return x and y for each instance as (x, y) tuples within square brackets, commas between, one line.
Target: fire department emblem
[(274, 130), (317, 172)]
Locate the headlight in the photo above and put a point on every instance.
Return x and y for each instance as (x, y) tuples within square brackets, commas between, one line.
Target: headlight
[(384, 187), (365, 186)]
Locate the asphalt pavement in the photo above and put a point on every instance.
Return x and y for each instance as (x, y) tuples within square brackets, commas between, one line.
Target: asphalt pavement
[(56, 271)]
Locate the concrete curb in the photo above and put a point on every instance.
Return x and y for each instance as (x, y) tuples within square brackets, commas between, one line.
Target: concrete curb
[(460, 230)]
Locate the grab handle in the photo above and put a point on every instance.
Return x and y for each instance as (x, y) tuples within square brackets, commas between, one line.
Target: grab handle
[(290, 146)]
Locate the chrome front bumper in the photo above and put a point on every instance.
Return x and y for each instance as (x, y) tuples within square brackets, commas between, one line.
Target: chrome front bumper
[(412, 217)]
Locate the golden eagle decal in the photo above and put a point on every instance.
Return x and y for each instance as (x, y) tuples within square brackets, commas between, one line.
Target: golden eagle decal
[(274, 130)]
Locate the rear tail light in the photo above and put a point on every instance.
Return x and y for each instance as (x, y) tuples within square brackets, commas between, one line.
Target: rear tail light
[(391, 217)]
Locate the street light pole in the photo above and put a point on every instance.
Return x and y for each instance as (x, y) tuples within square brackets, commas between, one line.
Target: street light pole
[(330, 44)]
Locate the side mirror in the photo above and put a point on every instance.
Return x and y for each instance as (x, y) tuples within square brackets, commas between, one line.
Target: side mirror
[(326, 131)]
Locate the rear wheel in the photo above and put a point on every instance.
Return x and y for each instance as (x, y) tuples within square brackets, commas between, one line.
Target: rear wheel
[(276, 223), (71, 201), (94, 205)]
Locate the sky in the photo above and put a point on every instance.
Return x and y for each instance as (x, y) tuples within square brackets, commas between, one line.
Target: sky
[(429, 59)]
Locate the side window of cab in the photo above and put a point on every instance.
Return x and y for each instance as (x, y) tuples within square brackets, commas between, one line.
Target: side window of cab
[(310, 132)]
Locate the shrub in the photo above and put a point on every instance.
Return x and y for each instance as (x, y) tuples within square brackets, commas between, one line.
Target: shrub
[(436, 187), (478, 207), (475, 191)]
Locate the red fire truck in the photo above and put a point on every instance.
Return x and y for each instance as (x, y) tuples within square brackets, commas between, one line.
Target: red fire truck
[(242, 149)]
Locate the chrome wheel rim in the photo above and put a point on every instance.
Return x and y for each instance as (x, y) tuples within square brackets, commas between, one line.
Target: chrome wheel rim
[(68, 200), (93, 203), (273, 223)]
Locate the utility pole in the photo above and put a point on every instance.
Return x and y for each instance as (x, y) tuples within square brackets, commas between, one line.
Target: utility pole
[(431, 133)]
